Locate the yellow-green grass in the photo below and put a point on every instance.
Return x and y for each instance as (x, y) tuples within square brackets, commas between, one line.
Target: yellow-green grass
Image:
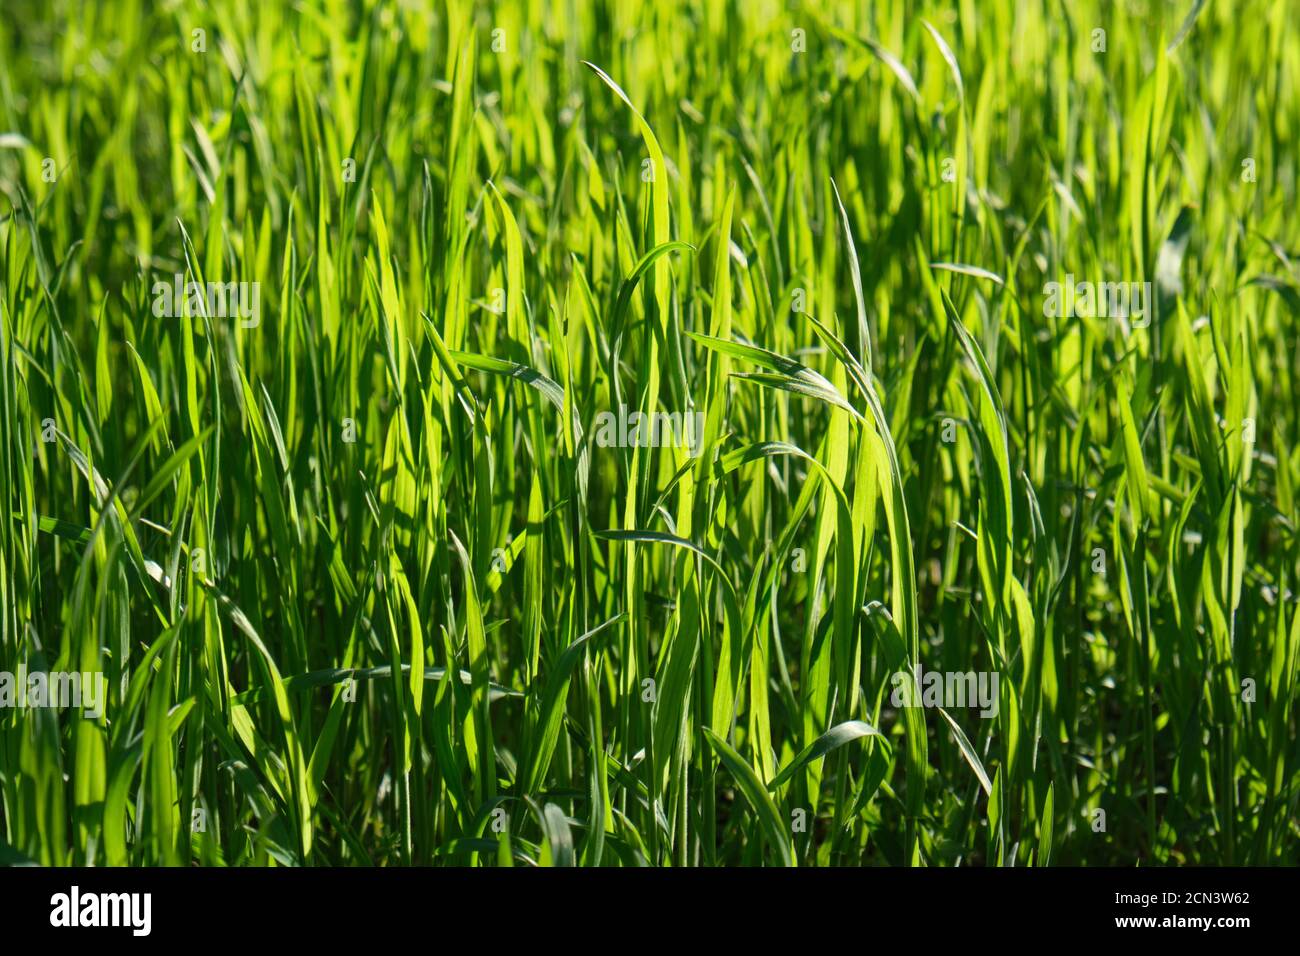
[(367, 584)]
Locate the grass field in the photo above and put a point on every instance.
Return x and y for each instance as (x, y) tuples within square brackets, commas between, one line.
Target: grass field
[(649, 433)]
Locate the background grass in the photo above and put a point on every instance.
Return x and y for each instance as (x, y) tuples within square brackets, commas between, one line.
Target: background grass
[(827, 229)]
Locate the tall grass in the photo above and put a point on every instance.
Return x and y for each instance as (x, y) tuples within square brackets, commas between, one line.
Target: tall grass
[(369, 587)]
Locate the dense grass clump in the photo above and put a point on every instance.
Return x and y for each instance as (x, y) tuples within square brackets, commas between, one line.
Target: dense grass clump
[(552, 432)]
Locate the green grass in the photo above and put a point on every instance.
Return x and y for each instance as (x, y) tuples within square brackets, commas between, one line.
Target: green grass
[(367, 589)]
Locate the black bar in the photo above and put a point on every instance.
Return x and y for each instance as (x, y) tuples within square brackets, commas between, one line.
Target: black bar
[(338, 906)]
